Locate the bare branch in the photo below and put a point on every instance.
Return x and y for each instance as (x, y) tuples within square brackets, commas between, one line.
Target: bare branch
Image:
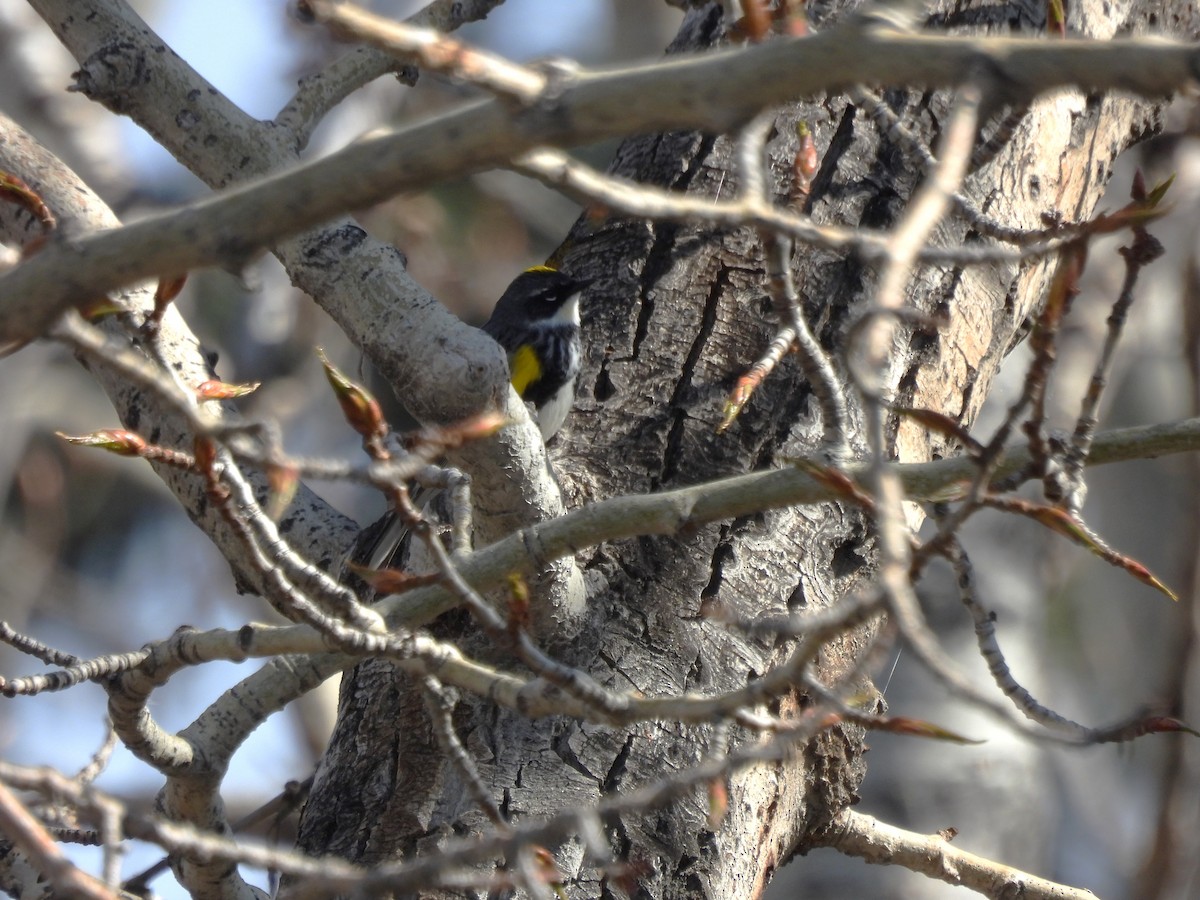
[(31, 838), (671, 512), (322, 91), (856, 834), (432, 51), (487, 134)]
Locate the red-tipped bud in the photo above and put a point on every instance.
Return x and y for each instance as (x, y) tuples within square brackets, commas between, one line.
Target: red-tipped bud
[(358, 406), (220, 390), (114, 440), (392, 581), (450, 436)]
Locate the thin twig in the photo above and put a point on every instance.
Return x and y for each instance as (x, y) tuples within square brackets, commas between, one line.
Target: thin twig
[(433, 51), (440, 707), (856, 834), (28, 834), (225, 229), (35, 648), (989, 649), (1143, 250)]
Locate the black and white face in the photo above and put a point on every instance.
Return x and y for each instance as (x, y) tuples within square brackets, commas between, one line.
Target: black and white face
[(567, 312), (555, 298)]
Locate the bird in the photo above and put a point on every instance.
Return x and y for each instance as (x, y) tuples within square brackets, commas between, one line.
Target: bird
[(537, 322)]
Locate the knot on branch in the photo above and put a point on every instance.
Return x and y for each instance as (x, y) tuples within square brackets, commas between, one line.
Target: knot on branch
[(110, 74)]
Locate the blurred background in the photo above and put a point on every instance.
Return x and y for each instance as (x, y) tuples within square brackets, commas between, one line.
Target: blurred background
[(96, 557)]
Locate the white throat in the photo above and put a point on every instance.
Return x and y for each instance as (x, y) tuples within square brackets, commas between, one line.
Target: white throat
[(568, 313)]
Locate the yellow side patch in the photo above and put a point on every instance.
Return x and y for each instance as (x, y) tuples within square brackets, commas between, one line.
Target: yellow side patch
[(541, 269), (524, 368)]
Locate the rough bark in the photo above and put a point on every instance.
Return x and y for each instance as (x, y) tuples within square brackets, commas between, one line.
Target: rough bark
[(677, 314)]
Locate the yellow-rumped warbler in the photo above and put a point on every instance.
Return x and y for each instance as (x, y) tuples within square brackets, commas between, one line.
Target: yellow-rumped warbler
[(536, 321)]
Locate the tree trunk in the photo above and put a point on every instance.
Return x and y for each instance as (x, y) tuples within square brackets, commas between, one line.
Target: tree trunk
[(677, 314)]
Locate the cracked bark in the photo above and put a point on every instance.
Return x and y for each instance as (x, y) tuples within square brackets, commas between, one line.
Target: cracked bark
[(677, 313)]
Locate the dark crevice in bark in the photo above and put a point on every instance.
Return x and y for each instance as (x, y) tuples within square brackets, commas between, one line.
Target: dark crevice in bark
[(796, 407), (797, 600), (968, 393), (603, 388), (612, 779), (561, 745), (722, 554), (657, 264), (676, 405), (693, 167), (1010, 297), (944, 297), (849, 557), (696, 676), (823, 184), (907, 387)]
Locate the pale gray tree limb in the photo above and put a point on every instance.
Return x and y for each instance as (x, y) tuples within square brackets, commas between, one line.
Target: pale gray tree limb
[(713, 91), (443, 370), (873, 841)]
